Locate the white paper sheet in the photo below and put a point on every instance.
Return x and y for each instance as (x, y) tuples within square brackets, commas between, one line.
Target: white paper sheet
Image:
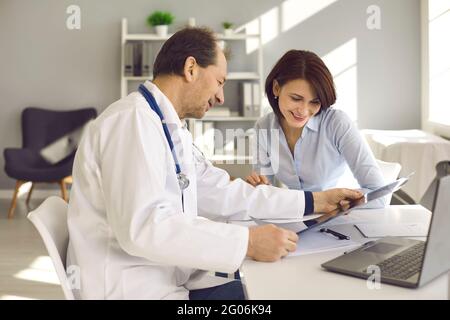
[(290, 220), (314, 241), (393, 230)]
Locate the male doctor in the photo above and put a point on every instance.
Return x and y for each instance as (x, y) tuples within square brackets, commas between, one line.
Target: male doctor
[(137, 200)]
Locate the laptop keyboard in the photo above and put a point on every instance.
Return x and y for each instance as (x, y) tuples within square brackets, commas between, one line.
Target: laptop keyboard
[(404, 264)]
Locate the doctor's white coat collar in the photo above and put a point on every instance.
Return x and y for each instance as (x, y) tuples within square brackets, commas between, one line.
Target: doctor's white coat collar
[(166, 106)]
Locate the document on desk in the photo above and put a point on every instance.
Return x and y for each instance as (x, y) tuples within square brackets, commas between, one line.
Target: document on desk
[(315, 241), (393, 230), (295, 225)]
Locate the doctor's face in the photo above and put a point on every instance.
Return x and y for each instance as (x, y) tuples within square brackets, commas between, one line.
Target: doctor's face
[(297, 101), (207, 90)]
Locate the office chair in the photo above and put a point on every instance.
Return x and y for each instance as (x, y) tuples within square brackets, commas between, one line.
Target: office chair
[(40, 128), (50, 220), (429, 197)]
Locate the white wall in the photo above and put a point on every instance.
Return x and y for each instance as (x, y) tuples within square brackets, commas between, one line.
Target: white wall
[(44, 64)]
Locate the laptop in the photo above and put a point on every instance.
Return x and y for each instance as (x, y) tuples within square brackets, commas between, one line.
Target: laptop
[(405, 262)]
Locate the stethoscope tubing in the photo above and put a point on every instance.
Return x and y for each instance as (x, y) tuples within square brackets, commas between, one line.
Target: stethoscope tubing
[(183, 181)]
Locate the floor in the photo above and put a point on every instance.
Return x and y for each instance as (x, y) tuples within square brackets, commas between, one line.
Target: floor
[(26, 271)]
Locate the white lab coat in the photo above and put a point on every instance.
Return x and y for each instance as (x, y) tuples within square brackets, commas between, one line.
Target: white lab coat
[(128, 233)]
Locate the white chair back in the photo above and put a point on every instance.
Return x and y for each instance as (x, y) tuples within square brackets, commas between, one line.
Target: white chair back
[(50, 219), (390, 171)]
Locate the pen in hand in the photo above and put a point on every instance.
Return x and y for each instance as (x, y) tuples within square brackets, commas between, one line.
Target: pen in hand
[(340, 236)]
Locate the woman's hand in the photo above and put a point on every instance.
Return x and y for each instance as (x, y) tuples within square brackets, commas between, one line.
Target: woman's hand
[(256, 179), (333, 199)]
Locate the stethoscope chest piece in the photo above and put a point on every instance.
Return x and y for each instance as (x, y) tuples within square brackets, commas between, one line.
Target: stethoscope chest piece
[(183, 181)]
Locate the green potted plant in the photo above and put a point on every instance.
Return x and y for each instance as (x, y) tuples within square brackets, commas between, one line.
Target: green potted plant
[(227, 28), (161, 21)]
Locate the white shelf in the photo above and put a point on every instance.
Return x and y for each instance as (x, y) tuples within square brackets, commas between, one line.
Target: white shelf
[(145, 37), (155, 37), (242, 76), (229, 158), (139, 78), (237, 36), (214, 118), (230, 76)]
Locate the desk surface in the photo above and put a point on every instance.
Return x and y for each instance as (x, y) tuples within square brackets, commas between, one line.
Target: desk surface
[(301, 277)]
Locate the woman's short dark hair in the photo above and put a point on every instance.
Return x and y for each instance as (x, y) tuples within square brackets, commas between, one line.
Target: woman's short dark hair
[(306, 65), (199, 43)]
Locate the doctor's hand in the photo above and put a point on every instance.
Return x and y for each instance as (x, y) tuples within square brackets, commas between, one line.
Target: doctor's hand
[(256, 179), (333, 199), (269, 243)]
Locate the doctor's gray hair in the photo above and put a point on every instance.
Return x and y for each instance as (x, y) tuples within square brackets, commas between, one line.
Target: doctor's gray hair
[(198, 42)]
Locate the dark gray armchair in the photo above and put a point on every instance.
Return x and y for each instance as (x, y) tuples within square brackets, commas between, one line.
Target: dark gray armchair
[(40, 128)]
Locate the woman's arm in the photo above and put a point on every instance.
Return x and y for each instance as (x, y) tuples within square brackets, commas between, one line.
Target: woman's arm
[(359, 157), (260, 157)]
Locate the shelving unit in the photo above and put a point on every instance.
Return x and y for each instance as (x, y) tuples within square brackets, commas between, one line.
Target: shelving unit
[(220, 122), (230, 76)]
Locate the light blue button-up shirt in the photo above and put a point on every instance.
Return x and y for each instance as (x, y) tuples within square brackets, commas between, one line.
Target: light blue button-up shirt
[(330, 144)]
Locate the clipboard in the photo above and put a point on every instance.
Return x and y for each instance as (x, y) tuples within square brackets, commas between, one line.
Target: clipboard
[(365, 199), (302, 225)]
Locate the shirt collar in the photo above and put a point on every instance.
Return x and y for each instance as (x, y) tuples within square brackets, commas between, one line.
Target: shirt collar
[(167, 108), (312, 124)]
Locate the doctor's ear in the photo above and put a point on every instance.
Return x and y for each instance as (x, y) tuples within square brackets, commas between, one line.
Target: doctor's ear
[(190, 69)]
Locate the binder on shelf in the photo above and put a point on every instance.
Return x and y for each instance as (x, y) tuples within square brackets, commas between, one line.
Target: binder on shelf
[(256, 101), (219, 112), (208, 138), (198, 134), (246, 99), (218, 145), (137, 58), (128, 59), (241, 145), (229, 148), (146, 59)]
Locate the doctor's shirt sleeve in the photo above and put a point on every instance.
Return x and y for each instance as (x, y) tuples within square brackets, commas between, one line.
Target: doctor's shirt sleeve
[(220, 197)]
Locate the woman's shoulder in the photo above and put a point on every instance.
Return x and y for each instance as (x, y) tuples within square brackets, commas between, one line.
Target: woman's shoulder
[(267, 121), (334, 118)]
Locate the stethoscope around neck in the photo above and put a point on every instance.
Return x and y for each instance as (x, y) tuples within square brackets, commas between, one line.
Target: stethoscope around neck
[(183, 180)]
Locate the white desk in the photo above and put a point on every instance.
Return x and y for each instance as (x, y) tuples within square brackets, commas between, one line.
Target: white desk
[(417, 151), (302, 277)]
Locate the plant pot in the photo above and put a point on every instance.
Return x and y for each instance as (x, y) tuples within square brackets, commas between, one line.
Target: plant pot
[(228, 32), (162, 30)]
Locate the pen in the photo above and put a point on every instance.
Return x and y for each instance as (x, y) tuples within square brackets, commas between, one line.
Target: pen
[(335, 233), (364, 245)]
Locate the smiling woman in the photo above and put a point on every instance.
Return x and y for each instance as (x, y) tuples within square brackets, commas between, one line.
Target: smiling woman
[(305, 143)]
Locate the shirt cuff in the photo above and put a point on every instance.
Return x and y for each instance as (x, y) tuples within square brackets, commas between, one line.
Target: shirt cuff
[(309, 203)]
